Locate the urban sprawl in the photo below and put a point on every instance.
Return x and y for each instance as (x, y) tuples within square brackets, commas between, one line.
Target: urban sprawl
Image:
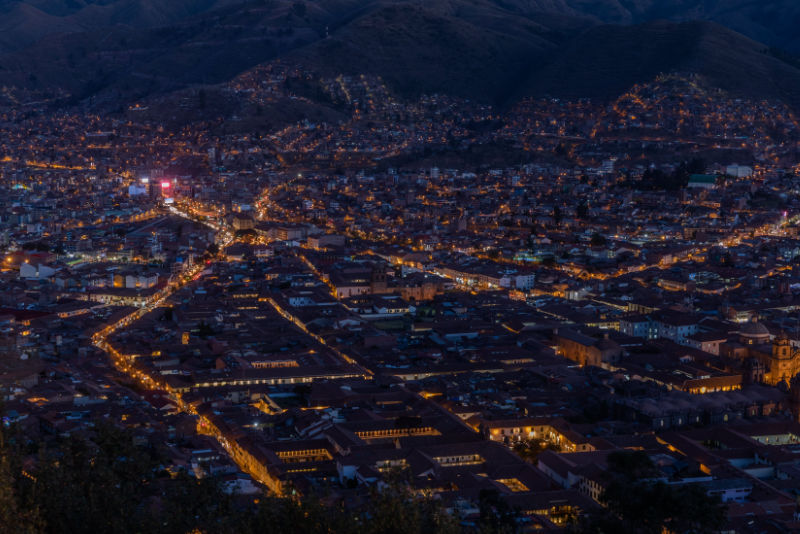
[(485, 299)]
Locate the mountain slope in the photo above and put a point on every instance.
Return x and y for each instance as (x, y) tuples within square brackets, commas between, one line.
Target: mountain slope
[(773, 22), (465, 47), (606, 60), (468, 49), (125, 62), (25, 22), (491, 50)]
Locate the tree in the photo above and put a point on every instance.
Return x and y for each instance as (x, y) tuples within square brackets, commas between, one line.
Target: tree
[(106, 482), (38, 246), (696, 166), (598, 240), (582, 210), (496, 515), (109, 484), (14, 518), (637, 503), (557, 214), (529, 450), (204, 330)]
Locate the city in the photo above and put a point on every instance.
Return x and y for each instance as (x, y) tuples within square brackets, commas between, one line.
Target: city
[(294, 286)]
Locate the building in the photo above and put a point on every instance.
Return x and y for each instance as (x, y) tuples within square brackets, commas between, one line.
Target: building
[(586, 350), (772, 362), (702, 181)]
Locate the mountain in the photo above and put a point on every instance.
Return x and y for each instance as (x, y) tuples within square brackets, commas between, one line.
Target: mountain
[(773, 22), (604, 61), (468, 48), (479, 50), (115, 51), (23, 23), (123, 61)]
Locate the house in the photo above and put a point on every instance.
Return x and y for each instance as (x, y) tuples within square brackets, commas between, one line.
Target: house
[(586, 350), (707, 341), (674, 326)]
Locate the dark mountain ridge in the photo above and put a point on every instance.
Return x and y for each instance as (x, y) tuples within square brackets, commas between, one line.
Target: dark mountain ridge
[(23, 23), (115, 51), (604, 61), (773, 22)]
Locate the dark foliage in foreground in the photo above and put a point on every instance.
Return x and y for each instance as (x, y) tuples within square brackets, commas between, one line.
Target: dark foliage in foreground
[(110, 485), (638, 503), (107, 483)]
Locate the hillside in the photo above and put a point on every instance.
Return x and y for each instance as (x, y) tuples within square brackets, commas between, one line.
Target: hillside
[(606, 60), (467, 47), (773, 22), (23, 23), (110, 52), (122, 62), (470, 49), (478, 50)]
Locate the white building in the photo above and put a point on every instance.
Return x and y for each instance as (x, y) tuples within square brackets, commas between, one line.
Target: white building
[(26, 270), (524, 282), (739, 171)]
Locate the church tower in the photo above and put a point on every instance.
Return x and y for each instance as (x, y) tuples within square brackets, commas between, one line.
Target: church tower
[(754, 371), (783, 362), (378, 283)]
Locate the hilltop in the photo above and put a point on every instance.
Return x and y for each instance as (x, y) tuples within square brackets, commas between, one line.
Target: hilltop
[(773, 22), (25, 22)]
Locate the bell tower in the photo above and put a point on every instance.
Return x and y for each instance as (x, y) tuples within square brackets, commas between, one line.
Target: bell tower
[(754, 371), (378, 281), (781, 348), (782, 366)]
